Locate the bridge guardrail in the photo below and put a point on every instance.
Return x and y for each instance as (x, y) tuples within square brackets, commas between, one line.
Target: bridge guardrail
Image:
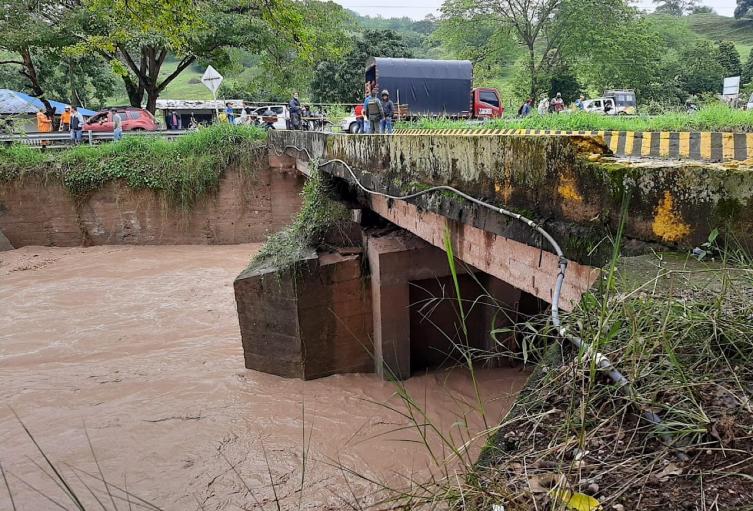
[(63, 138)]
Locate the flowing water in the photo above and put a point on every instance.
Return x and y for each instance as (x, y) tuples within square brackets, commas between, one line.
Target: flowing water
[(140, 348)]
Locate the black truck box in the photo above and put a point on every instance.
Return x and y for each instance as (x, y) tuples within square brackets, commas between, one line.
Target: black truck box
[(427, 87)]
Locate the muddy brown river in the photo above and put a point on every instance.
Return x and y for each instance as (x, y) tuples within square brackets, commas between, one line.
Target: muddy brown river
[(140, 347)]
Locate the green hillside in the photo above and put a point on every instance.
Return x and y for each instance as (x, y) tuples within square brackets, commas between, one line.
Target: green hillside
[(715, 28)]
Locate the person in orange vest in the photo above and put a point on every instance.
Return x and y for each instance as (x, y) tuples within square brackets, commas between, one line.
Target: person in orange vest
[(44, 125), (65, 120)]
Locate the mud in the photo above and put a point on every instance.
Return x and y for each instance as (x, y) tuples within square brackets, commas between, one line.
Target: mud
[(140, 347)]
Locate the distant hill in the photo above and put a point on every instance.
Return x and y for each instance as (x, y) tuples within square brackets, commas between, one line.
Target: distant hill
[(715, 28)]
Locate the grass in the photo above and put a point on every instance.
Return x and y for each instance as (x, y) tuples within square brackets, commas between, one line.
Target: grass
[(319, 214), (716, 28), (680, 331), (183, 170), (715, 117)]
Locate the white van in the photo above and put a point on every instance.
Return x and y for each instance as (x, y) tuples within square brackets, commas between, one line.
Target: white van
[(750, 103), (604, 106)]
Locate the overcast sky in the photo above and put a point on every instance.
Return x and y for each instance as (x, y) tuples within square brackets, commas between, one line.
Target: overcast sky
[(417, 9)]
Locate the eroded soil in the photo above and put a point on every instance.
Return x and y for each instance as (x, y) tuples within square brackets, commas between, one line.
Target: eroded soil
[(140, 347)]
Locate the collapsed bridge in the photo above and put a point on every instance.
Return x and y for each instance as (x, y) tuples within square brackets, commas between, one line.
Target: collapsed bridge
[(352, 305)]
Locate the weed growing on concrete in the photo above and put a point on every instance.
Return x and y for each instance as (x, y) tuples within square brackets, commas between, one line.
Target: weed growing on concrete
[(317, 216), (710, 118), (183, 170)]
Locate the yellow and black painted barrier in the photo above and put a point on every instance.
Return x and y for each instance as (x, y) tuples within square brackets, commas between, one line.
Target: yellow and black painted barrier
[(684, 145)]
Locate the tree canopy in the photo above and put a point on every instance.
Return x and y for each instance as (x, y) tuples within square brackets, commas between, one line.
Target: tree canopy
[(342, 80)]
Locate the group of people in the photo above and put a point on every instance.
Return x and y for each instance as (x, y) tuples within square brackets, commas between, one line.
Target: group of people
[(301, 116), (71, 121), (555, 105), (376, 114)]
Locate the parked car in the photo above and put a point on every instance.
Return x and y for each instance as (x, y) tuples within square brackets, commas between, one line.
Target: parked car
[(134, 119), (280, 111), (604, 106)]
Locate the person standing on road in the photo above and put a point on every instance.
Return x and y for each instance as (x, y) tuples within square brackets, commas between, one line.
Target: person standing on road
[(558, 104), (525, 108), (65, 120), (544, 105), (229, 113), (374, 111), (117, 125), (77, 125), (174, 121), (358, 111), (295, 112), (44, 125), (579, 103), (388, 108)]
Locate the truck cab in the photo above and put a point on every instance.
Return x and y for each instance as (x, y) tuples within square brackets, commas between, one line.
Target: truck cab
[(487, 104)]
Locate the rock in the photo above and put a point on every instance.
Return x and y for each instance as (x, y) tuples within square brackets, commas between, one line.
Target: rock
[(593, 488)]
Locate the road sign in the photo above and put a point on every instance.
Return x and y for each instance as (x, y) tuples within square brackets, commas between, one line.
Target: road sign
[(731, 86), (212, 79)]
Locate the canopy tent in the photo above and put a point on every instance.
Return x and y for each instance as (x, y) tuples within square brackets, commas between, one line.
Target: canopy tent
[(14, 103)]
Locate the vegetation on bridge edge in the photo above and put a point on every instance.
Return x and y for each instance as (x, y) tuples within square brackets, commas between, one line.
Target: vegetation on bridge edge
[(318, 216), (183, 169), (713, 117)]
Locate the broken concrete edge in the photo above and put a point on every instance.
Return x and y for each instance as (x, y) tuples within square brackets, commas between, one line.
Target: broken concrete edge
[(673, 205)]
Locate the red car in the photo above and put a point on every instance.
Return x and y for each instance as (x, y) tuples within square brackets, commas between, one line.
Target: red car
[(134, 119)]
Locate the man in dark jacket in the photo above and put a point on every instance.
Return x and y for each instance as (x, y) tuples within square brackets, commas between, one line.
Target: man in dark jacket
[(388, 107), (374, 111), (295, 112)]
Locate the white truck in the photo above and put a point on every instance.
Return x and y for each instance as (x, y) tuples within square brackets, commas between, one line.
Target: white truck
[(614, 102)]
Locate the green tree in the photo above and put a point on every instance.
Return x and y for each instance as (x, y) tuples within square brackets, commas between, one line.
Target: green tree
[(618, 48), (137, 36), (703, 72), (531, 23), (744, 9), (729, 58), (675, 7), (342, 80), (747, 74), (24, 35), (479, 39)]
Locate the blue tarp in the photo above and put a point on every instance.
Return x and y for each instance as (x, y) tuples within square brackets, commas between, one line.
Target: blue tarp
[(14, 102)]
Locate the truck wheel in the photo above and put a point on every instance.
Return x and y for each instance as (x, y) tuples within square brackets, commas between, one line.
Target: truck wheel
[(353, 128)]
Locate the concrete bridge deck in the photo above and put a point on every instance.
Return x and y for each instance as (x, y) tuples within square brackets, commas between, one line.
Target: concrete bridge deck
[(569, 184)]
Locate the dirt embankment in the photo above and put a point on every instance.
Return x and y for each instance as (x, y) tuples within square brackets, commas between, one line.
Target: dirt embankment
[(36, 210)]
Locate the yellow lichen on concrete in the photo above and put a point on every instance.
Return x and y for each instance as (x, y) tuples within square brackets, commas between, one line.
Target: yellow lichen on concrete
[(568, 189), (668, 224), (504, 190)]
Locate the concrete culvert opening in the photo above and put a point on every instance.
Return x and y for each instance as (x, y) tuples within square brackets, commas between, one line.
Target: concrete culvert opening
[(441, 335)]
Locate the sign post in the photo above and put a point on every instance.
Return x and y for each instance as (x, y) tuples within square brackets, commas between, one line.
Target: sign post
[(212, 80), (731, 90)]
